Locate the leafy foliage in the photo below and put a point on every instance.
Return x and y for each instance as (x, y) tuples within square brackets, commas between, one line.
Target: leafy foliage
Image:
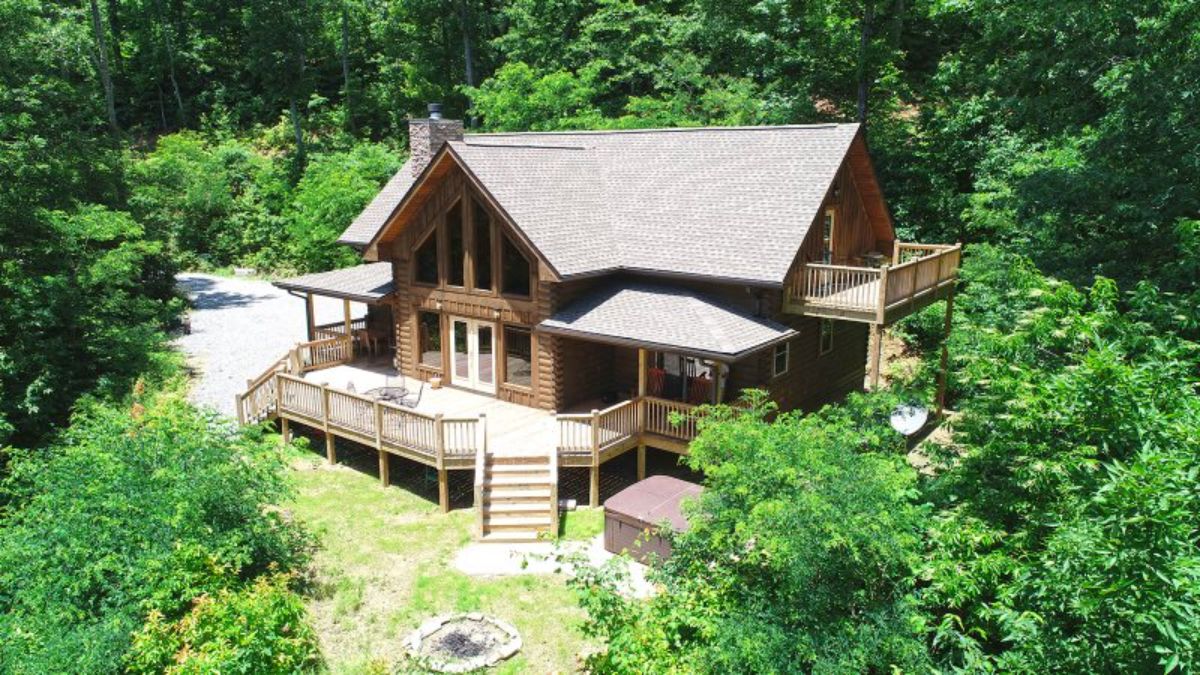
[(1048, 550), (136, 515), (801, 554), (261, 628)]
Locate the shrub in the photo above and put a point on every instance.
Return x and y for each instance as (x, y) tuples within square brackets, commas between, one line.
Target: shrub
[(261, 628)]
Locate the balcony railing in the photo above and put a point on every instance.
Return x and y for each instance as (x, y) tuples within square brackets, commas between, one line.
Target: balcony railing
[(918, 275)]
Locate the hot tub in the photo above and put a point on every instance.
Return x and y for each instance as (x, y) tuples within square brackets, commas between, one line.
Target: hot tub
[(632, 516)]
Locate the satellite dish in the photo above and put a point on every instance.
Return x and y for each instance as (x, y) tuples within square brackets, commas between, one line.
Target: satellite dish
[(908, 419)]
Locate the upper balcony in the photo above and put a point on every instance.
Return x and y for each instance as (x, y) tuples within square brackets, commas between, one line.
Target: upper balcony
[(916, 276)]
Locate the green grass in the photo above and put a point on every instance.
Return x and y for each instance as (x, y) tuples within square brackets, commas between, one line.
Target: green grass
[(384, 567), (582, 523)]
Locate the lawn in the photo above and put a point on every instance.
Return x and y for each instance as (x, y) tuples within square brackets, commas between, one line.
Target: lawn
[(384, 567)]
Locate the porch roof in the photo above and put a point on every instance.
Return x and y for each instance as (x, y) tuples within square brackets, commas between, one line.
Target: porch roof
[(665, 317), (371, 282)]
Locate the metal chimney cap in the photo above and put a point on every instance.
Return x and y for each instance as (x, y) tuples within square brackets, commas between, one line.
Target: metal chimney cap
[(435, 111)]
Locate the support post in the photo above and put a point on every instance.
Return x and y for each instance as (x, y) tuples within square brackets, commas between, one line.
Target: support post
[(945, 365), (641, 393), (285, 434), (641, 462), (439, 426), (346, 314), (241, 414), (876, 353), (718, 390), (444, 490), (310, 317)]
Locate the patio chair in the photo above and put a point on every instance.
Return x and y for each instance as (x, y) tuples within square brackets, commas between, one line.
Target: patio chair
[(654, 383), (413, 400)]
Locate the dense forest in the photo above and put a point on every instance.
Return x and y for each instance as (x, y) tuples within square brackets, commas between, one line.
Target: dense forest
[(1057, 140)]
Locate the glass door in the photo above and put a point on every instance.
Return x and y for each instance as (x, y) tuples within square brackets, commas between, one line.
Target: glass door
[(473, 359)]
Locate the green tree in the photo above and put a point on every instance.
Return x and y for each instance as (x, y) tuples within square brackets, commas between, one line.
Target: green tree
[(801, 554), (135, 513)]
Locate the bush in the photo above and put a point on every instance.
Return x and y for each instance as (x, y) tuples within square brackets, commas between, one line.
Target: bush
[(134, 513), (261, 628)]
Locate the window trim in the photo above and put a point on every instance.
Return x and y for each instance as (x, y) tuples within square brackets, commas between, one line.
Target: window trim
[(787, 358), (822, 350)]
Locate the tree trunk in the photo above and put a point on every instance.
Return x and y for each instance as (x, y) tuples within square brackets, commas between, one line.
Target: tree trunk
[(864, 71), (468, 45), (346, 66), (297, 130), (169, 48), (114, 26), (897, 23), (102, 66)]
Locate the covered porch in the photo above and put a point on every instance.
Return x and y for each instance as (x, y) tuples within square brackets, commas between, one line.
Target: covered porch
[(365, 322)]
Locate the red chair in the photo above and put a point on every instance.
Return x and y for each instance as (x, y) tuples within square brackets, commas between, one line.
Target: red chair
[(654, 383)]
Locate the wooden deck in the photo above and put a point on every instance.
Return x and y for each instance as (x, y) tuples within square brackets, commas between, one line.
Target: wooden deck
[(920, 275), (322, 385)]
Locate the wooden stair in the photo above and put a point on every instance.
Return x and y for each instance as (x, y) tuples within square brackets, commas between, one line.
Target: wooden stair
[(516, 498)]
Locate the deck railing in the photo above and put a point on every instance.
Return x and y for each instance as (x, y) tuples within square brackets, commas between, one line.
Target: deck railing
[(324, 353), (597, 431), (338, 328), (367, 420), (917, 269), (659, 418)]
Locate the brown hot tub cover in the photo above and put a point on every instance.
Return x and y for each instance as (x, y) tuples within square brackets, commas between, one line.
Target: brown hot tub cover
[(632, 516)]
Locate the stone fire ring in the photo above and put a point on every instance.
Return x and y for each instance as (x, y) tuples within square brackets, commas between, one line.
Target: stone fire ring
[(482, 642)]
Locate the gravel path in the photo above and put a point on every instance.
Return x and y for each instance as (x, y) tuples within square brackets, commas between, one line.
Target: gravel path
[(240, 326)]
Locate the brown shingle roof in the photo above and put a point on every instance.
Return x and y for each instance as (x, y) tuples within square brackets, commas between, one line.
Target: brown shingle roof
[(667, 317), (364, 283), (732, 203)]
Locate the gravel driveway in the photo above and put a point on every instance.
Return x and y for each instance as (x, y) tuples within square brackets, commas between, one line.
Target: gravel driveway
[(239, 327)]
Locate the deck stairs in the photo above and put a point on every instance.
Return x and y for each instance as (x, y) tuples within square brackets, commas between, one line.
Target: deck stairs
[(517, 497)]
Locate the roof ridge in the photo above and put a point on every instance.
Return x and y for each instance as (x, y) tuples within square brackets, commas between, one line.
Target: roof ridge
[(606, 132), (524, 146)]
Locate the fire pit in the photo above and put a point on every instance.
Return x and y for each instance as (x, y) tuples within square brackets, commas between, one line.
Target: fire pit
[(462, 643)]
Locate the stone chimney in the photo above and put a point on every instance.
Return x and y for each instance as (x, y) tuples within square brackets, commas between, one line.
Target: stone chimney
[(426, 136)]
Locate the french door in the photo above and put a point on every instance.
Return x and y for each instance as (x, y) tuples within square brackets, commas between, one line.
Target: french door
[(473, 354)]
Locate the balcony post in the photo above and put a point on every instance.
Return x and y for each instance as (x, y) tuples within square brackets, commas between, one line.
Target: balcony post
[(309, 316), (876, 353), (945, 362)]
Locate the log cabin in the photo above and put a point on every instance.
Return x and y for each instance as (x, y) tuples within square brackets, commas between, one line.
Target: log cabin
[(602, 280)]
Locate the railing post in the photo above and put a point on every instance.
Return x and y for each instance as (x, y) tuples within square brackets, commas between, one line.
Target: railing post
[(330, 447), (384, 463), (594, 491), (895, 251), (881, 309), (439, 430), (241, 414)]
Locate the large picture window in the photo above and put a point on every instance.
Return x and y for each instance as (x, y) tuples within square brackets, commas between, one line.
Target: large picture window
[(518, 356), (514, 270), (456, 275), (483, 246), (429, 339), (427, 260)]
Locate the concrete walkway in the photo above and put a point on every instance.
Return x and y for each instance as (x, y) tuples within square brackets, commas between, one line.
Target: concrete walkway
[(239, 327), (501, 560)]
